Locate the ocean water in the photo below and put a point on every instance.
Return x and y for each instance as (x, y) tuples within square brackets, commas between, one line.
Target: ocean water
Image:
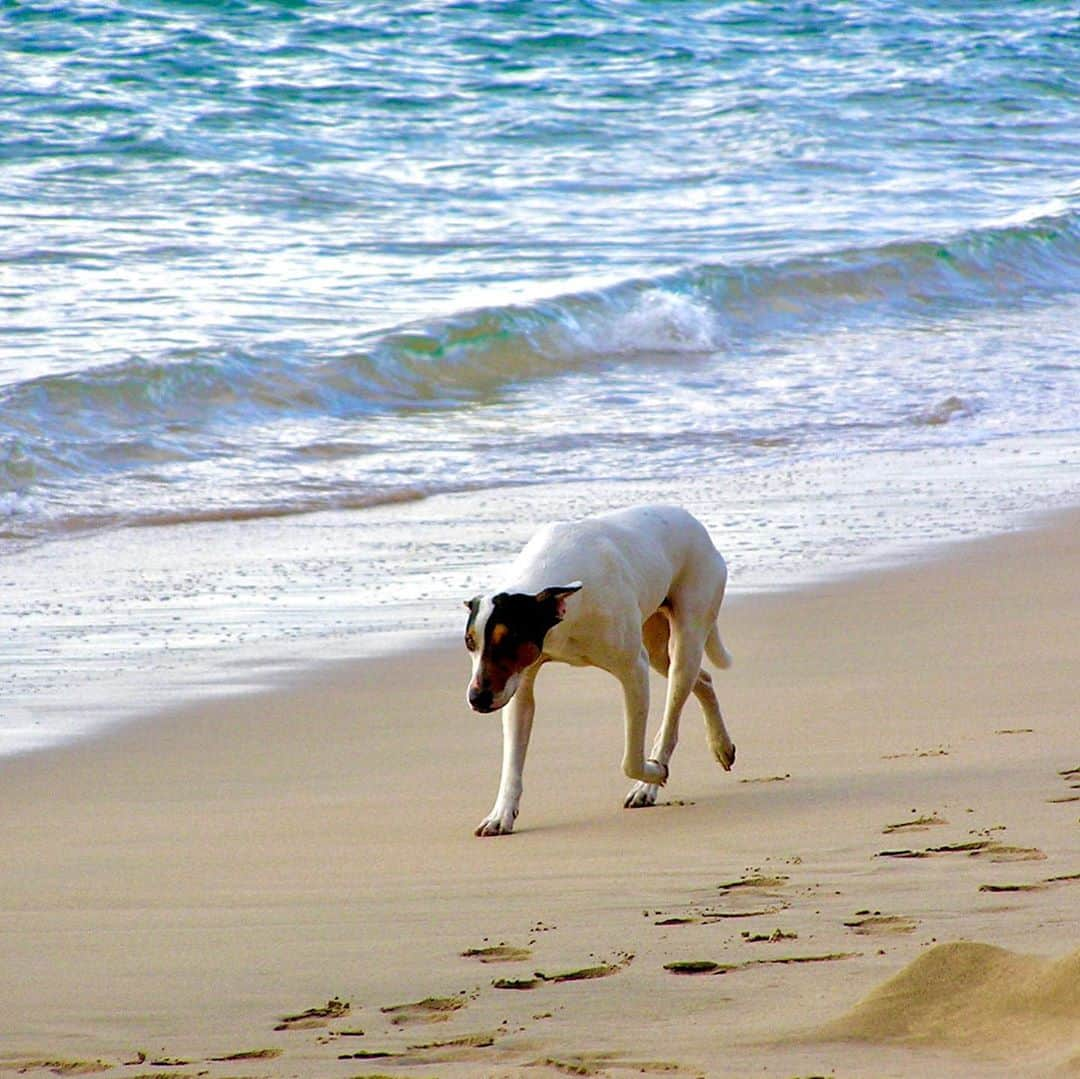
[(311, 311)]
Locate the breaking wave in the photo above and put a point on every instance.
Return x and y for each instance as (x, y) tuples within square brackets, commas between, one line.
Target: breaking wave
[(143, 415)]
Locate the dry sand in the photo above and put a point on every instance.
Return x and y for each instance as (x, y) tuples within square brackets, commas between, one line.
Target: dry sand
[(265, 878)]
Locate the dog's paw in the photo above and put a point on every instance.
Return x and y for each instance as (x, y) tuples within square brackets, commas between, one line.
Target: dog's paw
[(641, 796), (496, 823), (726, 756)]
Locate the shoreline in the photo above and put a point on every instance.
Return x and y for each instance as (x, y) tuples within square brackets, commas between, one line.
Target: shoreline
[(176, 887), (132, 622)]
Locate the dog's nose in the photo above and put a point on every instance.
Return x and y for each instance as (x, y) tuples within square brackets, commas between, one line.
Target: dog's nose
[(481, 700)]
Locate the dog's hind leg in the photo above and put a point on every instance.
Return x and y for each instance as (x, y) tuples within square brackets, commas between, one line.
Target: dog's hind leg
[(723, 748), (676, 653), (517, 720), (656, 634), (686, 648)]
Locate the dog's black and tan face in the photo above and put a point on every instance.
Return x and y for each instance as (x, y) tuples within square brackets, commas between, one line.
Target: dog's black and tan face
[(505, 634)]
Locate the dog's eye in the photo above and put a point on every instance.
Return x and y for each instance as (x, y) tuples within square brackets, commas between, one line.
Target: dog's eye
[(470, 642)]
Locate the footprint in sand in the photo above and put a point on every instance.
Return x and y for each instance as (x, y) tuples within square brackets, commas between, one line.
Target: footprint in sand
[(970, 847), (248, 1054), (708, 916), (698, 966), (498, 953), (1036, 886), (314, 1018), (517, 983), (756, 882), (428, 1010), (707, 966), (450, 1050), (999, 852), (600, 970), (937, 751), (866, 924), (370, 1054), (775, 937), (482, 1040), (919, 824)]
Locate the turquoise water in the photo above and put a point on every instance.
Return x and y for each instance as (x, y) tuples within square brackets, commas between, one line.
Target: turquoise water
[(813, 270)]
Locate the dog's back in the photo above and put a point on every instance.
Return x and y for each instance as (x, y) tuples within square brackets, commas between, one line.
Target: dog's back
[(648, 551)]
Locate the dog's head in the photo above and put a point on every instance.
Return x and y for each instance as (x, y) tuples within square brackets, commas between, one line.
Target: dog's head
[(505, 634)]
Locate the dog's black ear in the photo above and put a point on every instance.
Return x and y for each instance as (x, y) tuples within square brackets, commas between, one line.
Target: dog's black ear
[(473, 605), (557, 597)]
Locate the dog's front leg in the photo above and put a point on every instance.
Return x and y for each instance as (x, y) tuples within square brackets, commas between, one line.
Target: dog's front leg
[(517, 720), (635, 683)]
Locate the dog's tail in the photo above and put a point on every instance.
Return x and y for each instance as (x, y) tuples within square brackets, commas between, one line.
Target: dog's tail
[(715, 650)]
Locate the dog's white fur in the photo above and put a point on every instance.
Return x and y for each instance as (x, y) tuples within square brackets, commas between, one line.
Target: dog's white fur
[(651, 587)]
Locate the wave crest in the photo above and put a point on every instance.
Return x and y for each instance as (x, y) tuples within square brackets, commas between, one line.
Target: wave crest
[(144, 415)]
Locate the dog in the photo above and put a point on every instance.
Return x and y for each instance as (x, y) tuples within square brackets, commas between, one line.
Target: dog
[(621, 591)]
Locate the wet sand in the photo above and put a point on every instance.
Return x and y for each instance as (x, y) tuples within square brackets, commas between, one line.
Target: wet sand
[(287, 883)]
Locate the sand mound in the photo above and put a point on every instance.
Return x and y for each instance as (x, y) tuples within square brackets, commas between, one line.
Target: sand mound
[(975, 998)]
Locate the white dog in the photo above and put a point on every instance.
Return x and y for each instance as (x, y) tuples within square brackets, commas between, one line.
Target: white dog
[(620, 591)]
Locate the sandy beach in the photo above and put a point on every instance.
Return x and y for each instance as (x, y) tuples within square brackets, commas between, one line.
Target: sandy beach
[(314, 313), (287, 884)]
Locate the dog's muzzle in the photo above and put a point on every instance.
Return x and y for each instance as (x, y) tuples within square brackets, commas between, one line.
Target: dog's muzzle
[(481, 700)]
